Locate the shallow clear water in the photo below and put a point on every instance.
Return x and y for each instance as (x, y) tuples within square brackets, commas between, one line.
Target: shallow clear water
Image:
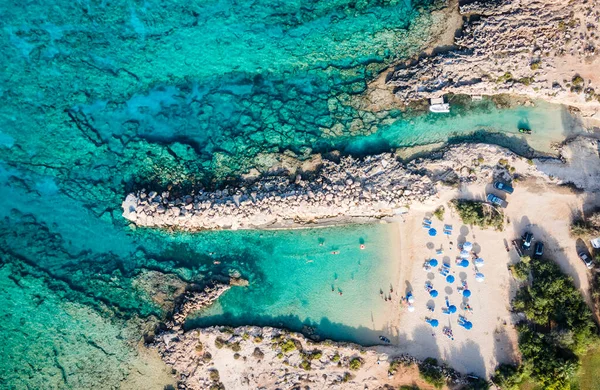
[(296, 280), (100, 99)]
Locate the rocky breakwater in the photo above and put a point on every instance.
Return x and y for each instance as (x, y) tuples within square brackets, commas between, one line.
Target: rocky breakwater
[(373, 187), (541, 49)]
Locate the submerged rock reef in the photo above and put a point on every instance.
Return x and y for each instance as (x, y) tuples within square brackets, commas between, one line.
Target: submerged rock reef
[(543, 49)]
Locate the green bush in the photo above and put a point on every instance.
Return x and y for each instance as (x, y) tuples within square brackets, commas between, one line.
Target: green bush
[(347, 377), (505, 78), (288, 346), (316, 355), (587, 227), (431, 373), (535, 65), (235, 347), (559, 326), (508, 376), (577, 80), (520, 270), (219, 342), (305, 365), (475, 213), (526, 80), (214, 375), (355, 364), (439, 213), (335, 358)]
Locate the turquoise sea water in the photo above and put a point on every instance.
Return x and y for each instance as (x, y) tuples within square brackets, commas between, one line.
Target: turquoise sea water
[(98, 98), (297, 279)]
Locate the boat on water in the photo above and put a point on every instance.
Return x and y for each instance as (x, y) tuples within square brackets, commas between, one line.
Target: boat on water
[(384, 339), (437, 105), (523, 130)]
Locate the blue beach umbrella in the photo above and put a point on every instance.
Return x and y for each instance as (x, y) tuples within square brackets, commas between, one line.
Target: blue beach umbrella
[(466, 293), (432, 232), (433, 262), (433, 323), (450, 279), (463, 263), (452, 309), (468, 325), (433, 293)]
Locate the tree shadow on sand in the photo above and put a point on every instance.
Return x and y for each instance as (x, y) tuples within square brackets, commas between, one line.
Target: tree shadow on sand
[(468, 356)]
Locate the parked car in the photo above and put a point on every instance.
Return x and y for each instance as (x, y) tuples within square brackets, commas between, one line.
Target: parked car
[(539, 248), (596, 243), (586, 259), (527, 239), (496, 200), (503, 187)]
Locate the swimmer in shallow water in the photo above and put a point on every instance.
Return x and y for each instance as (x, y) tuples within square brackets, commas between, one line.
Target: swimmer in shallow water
[(335, 252), (362, 246)]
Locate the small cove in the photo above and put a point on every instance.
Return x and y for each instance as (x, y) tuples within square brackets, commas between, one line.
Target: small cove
[(298, 278)]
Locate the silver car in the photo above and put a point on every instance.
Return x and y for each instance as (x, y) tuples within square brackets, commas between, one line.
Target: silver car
[(586, 259)]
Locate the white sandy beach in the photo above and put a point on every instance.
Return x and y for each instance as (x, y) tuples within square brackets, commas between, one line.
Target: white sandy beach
[(537, 206)]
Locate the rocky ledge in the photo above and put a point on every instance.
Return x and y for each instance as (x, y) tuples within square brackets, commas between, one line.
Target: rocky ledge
[(375, 187), (251, 357), (542, 49)]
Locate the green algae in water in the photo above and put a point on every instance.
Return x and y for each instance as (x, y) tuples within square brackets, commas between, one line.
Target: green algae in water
[(298, 277)]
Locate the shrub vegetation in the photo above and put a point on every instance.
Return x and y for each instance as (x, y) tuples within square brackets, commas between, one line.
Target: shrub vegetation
[(439, 213), (476, 213), (431, 373), (558, 328), (355, 364)]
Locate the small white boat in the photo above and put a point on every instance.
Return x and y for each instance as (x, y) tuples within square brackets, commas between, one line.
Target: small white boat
[(437, 105)]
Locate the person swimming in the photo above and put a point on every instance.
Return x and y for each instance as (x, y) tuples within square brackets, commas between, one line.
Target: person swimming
[(362, 246), (335, 252)]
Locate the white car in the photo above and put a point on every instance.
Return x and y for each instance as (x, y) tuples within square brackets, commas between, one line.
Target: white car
[(596, 243), (586, 259)]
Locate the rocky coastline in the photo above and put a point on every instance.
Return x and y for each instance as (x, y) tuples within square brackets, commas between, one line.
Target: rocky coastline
[(376, 187), (266, 357), (544, 50)]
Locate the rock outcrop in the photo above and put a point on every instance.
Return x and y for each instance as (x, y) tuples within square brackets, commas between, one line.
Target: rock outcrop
[(542, 49), (374, 187)]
